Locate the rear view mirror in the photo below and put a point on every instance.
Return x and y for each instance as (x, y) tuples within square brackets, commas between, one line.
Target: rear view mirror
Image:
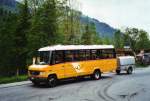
[(33, 60), (38, 59)]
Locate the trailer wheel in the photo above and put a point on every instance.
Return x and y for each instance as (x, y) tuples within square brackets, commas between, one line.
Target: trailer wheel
[(129, 70)]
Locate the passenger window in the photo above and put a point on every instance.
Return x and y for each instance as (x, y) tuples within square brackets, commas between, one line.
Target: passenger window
[(98, 54), (69, 56), (59, 57), (114, 53), (82, 55), (76, 55), (88, 54), (93, 54), (107, 53)]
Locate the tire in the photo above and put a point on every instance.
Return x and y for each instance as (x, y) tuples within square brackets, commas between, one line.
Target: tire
[(35, 83), (96, 75), (118, 72), (130, 70), (52, 81)]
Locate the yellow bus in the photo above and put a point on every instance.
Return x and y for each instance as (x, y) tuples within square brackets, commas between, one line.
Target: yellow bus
[(70, 61)]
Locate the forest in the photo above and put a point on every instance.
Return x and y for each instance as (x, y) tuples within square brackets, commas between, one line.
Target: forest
[(40, 23)]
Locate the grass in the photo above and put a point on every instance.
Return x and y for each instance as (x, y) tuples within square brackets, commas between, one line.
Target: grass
[(139, 65), (4, 80)]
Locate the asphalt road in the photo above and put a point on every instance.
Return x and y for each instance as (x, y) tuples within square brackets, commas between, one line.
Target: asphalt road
[(111, 87)]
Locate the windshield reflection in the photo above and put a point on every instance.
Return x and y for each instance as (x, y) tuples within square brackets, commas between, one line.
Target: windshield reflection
[(43, 58)]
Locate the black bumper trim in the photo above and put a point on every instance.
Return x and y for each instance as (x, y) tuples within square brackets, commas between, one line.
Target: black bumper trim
[(38, 79)]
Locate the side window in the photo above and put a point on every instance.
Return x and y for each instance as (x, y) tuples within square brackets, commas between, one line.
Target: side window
[(98, 54), (82, 55), (93, 54), (69, 55), (114, 53), (57, 57), (111, 53), (44, 56), (88, 54), (108, 53), (76, 55)]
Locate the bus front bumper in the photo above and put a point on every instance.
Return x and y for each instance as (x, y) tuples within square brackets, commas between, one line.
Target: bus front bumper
[(38, 79)]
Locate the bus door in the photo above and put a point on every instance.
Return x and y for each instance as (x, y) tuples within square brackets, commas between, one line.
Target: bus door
[(59, 65), (70, 70)]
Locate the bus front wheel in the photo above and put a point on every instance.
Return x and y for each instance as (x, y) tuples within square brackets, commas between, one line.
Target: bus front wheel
[(96, 75), (35, 83), (52, 81)]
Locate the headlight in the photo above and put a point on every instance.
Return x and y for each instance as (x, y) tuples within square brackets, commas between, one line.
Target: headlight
[(42, 73)]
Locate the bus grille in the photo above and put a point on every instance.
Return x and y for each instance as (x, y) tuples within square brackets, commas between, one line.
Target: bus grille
[(34, 72)]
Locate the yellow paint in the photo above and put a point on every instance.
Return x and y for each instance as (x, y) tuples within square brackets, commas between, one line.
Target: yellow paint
[(74, 69)]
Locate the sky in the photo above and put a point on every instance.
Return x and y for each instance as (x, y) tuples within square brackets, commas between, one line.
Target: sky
[(119, 13)]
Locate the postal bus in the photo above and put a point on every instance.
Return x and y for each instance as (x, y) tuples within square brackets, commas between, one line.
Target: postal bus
[(70, 61)]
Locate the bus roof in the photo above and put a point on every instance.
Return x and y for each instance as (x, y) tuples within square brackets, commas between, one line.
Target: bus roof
[(75, 47)]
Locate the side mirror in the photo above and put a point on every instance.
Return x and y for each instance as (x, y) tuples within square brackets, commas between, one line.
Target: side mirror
[(33, 60), (38, 59)]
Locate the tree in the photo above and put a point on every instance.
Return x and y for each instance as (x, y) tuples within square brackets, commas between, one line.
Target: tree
[(131, 36), (7, 30), (136, 39), (86, 37), (39, 23), (90, 36), (95, 36), (143, 41), (107, 41), (71, 24), (34, 5), (20, 40), (44, 28), (118, 39)]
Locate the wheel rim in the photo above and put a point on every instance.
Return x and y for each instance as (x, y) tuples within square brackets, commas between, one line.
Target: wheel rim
[(51, 81), (130, 70), (97, 75)]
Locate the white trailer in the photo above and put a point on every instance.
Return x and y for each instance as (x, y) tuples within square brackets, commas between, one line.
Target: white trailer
[(125, 63)]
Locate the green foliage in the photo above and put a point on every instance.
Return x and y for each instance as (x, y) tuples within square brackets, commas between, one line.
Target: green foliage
[(86, 37), (90, 36), (131, 37), (50, 22), (107, 41), (7, 29), (118, 39), (4, 80), (43, 31), (136, 39), (20, 39), (143, 41)]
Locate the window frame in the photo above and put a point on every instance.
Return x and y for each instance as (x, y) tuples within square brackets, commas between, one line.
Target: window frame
[(87, 55), (53, 57)]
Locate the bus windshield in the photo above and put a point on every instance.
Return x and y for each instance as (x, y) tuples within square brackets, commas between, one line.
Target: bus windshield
[(43, 57)]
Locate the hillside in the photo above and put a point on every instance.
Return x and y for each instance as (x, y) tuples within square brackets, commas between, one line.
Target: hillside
[(102, 28), (8, 4)]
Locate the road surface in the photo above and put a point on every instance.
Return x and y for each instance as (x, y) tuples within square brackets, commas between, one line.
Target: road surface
[(111, 87)]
